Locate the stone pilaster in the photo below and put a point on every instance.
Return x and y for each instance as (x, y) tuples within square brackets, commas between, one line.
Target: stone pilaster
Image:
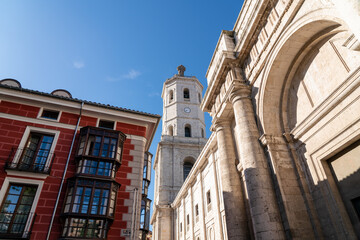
[(235, 211), (297, 222), (264, 210), (164, 222)]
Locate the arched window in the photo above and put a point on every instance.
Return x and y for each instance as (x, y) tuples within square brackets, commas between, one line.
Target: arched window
[(171, 131), (211, 234), (202, 133), (188, 164), (199, 95), (186, 94), (187, 131), (171, 96)]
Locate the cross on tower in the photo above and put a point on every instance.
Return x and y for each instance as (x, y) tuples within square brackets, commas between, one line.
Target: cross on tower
[(181, 69)]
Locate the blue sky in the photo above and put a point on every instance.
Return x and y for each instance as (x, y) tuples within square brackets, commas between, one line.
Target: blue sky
[(117, 52)]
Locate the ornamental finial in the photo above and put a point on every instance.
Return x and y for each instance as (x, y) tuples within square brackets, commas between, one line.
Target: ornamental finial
[(181, 69)]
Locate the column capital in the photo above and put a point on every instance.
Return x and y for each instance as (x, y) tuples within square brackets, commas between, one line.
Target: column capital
[(234, 64), (267, 139), (236, 72), (240, 90), (220, 124), (289, 137)]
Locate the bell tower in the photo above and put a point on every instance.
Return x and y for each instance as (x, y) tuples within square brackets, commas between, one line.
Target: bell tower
[(182, 139)]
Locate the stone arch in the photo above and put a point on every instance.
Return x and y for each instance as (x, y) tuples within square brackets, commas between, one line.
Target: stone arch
[(187, 130), (186, 94), (171, 130), (280, 108), (171, 96), (296, 41)]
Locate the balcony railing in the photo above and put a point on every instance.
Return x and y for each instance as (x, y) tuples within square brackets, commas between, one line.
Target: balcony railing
[(14, 225), (29, 160)]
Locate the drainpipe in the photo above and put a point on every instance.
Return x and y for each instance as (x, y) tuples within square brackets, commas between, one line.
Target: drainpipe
[(134, 214), (63, 176)]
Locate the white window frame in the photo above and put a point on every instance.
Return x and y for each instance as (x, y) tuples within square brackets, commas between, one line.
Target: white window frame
[(48, 119), (5, 187), (26, 135)]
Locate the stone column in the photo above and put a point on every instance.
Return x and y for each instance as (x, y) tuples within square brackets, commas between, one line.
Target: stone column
[(235, 212), (264, 210)]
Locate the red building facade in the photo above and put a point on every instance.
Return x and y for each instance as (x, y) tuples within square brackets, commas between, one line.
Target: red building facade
[(71, 169)]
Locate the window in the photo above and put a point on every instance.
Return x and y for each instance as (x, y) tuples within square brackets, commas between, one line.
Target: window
[(197, 212), (35, 154), (147, 166), (98, 146), (171, 96), (187, 130), (145, 186), (187, 169), (97, 142), (96, 167), (85, 228), (50, 114), (202, 133), (106, 124), (199, 95), (186, 94), (208, 197), (187, 222), (208, 200), (211, 234), (89, 197), (180, 227), (171, 131), (145, 214), (15, 210)]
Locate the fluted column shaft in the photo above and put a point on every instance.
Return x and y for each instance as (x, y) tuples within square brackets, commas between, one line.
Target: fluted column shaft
[(264, 210), (235, 211)]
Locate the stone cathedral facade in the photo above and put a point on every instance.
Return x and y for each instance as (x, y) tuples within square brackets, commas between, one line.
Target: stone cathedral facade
[(282, 161)]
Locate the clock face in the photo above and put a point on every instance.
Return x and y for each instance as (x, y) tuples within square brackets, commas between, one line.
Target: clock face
[(187, 110)]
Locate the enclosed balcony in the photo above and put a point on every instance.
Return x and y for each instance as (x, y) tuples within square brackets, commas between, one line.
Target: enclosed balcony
[(87, 197), (146, 173), (99, 152), (90, 200), (100, 143), (145, 217)]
